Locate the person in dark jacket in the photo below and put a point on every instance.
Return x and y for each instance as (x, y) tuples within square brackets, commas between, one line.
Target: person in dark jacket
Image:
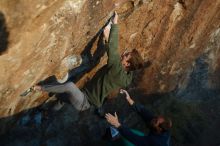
[(116, 74), (159, 134)]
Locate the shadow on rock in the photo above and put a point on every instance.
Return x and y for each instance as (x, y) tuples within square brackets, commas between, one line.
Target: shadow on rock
[(197, 87), (4, 34), (42, 126), (89, 60)]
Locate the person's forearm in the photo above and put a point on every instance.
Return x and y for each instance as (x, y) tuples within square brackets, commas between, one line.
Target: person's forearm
[(113, 41), (112, 50), (130, 101), (127, 96)]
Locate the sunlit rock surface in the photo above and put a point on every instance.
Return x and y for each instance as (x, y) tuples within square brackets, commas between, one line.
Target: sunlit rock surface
[(180, 39)]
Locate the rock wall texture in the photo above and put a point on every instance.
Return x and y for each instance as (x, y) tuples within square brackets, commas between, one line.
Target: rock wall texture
[(180, 39)]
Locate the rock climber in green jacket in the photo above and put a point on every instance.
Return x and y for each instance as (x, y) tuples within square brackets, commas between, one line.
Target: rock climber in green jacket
[(117, 73)]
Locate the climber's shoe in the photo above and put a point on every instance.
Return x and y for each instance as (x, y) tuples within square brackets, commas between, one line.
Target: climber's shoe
[(33, 88), (26, 92)]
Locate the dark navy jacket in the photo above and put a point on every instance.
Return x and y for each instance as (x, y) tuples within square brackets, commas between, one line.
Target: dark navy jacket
[(152, 139)]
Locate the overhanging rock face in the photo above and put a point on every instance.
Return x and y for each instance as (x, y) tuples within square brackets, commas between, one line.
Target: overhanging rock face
[(178, 37)]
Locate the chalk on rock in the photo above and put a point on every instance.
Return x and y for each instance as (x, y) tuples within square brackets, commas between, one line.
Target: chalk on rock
[(67, 64)]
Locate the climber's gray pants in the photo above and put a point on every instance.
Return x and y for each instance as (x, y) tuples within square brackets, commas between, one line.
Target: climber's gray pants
[(77, 98)]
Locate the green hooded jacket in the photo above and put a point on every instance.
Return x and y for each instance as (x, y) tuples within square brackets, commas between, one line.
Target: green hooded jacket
[(110, 77)]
